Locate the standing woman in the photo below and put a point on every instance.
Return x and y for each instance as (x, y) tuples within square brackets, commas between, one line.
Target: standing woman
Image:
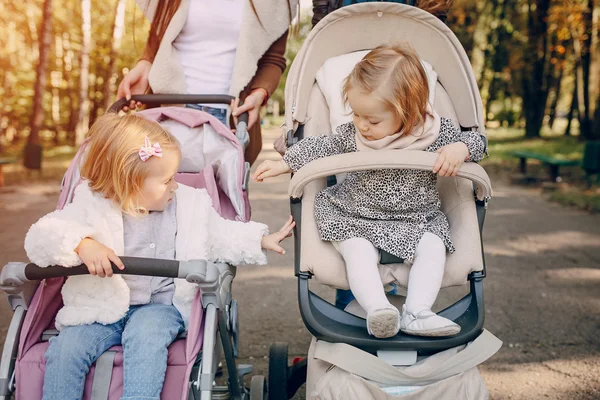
[(233, 47)]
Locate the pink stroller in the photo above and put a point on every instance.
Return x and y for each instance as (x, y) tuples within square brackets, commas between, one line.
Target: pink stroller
[(212, 158)]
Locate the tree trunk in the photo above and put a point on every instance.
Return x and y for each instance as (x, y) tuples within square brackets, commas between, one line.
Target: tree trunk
[(535, 87), (110, 78), (556, 81), (84, 110), (553, 105), (583, 62), (572, 110), (56, 84), (33, 150)]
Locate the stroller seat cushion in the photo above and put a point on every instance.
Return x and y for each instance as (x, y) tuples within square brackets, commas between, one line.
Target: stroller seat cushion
[(33, 367), (334, 71)]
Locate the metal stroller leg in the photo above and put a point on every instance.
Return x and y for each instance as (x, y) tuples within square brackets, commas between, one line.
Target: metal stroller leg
[(207, 372), (9, 354), (215, 288)]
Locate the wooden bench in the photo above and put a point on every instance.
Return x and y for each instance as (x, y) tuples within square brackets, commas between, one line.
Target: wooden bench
[(4, 161), (553, 163)]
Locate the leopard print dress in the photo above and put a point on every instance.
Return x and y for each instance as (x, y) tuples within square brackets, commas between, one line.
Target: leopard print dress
[(390, 208)]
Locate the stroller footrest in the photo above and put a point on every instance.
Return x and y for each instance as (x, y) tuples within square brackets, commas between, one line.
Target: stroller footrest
[(387, 258)]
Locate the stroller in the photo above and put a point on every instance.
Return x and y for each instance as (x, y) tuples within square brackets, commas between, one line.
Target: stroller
[(313, 111), (212, 158)]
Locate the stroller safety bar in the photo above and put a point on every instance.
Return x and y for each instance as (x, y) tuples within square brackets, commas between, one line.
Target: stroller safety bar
[(388, 159), (157, 100), (15, 275)]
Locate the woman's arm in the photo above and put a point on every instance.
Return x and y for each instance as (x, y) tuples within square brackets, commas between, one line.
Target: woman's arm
[(270, 67)]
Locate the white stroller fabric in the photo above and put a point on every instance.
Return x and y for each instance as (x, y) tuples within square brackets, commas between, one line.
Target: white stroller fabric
[(339, 371), (203, 146)]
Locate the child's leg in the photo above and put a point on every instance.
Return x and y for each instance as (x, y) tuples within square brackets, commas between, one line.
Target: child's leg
[(424, 283), (361, 259), (70, 355), (426, 273), (147, 335)]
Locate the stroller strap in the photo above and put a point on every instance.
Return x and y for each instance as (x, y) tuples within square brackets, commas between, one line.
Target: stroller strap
[(103, 375), (431, 369)]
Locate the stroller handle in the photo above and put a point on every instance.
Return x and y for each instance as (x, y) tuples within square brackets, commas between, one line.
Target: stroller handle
[(133, 266), (206, 274), (159, 99)]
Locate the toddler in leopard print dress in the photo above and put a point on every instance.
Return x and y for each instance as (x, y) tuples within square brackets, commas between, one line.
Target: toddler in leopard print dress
[(397, 211)]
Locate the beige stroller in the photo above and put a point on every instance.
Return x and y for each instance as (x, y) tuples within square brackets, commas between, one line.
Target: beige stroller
[(309, 112)]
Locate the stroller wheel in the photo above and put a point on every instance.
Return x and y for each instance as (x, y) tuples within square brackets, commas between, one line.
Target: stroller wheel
[(278, 372), (258, 388)]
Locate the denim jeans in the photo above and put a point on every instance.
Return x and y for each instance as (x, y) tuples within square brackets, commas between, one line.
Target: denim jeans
[(219, 113), (145, 333)]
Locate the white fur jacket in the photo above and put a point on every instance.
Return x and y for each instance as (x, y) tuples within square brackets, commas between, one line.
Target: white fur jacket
[(201, 234)]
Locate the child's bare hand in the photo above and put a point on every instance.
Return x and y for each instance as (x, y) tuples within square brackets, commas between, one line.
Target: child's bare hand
[(97, 257), (269, 169), (450, 159), (271, 242)]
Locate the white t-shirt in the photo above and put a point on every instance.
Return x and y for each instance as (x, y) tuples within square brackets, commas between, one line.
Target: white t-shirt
[(207, 45)]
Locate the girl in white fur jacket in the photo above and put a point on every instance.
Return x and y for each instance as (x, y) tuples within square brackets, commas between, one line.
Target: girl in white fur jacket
[(128, 206)]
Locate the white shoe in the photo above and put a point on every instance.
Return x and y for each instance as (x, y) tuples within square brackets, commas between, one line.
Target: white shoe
[(383, 323), (427, 323)]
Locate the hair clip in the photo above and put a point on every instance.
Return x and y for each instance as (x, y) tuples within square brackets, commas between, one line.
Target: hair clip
[(147, 150)]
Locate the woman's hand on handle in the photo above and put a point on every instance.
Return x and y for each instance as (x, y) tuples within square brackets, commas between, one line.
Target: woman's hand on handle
[(271, 242), (269, 169), (252, 105), (135, 82), (97, 257)]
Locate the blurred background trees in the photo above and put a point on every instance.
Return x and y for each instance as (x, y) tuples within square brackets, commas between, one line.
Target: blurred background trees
[(537, 63), (60, 62)]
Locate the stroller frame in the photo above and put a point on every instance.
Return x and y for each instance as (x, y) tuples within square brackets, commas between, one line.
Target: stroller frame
[(20, 281)]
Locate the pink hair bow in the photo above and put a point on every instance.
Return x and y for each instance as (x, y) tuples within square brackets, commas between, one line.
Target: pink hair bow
[(147, 150)]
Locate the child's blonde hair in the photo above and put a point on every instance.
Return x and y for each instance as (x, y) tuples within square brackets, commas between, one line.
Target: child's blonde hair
[(112, 163), (396, 76)]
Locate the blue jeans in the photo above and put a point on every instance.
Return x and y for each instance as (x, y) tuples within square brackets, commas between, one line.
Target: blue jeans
[(145, 333), (219, 113)]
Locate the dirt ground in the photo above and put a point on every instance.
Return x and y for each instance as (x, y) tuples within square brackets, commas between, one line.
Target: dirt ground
[(542, 292)]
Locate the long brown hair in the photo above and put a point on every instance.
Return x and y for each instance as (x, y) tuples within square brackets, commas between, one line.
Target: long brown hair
[(165, 10)]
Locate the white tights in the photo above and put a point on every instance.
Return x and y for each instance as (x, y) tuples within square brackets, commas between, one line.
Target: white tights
[(424, 279)]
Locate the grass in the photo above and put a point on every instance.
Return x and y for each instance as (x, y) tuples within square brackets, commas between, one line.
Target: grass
[(583, 199), (573, 192), (504, 140)]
